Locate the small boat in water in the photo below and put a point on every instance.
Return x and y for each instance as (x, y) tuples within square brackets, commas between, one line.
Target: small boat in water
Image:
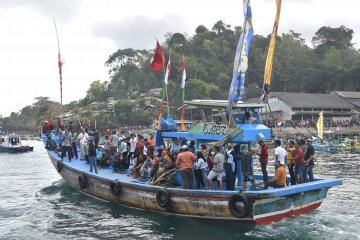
[(12, 144)]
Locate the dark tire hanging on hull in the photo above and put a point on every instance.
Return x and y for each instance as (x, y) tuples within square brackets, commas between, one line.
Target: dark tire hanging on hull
[(115, 188), (239, 198), (163, 198), (82, 181), (51, 145), (59, 166)]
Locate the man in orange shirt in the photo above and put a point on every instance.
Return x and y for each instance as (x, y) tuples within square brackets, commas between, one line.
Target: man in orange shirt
[(185, 160), (279, 181)]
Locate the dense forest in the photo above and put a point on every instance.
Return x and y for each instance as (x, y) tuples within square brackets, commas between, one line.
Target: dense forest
[(331, 63)]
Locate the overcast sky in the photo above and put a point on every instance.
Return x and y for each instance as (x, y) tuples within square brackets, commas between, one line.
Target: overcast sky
[(91, 30)]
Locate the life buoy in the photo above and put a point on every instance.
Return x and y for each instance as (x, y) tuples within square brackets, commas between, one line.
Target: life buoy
[(52, 145), (234, 209), (115, 188), (59, 166), (82, 181), (163, 198)]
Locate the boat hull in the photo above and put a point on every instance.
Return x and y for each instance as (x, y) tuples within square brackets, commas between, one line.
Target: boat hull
[(193, 203), (16, 149)]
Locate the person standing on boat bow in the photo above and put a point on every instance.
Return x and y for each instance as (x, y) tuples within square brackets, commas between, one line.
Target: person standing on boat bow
[(92, 156), (217, 169), (280, 152), (185, 160), (66, 144), (83, 138), (309, 161), (247, 166), (263, 158), (298, 157)]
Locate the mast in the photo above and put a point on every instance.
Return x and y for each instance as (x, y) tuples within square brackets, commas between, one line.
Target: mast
[(60, 63)]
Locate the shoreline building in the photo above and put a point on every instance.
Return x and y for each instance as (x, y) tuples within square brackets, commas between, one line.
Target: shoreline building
[(307, 106), (351, 97)]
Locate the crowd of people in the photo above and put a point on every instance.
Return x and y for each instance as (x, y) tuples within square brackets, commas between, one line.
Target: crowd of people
[(137, 156), (310, 123)]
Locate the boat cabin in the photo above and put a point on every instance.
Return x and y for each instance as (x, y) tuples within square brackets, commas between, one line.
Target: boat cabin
[(10, 141), (243, 127)]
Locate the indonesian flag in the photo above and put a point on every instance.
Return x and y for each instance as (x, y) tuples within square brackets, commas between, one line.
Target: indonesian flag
[(183, 75), (159, 60), (182, 126), (167, 73)]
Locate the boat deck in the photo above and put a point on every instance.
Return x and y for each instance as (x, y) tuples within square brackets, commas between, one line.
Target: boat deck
[(108, 174)]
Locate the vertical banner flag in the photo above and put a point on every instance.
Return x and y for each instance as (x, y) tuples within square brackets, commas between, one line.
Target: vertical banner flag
[(182, 127), (159, 60), (164, 94), (60, 63), (270, 56), (237, 88), (320, 125)]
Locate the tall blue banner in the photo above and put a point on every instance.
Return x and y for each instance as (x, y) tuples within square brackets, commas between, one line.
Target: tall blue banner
[(237, 88)]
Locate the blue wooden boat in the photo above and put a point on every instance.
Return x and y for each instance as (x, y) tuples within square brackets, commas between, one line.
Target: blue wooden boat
[(323, 147), (241, 205)]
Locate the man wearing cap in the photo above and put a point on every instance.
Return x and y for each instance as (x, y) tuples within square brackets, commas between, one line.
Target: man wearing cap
[(247, 166), (185, 160), (217, 169), (263, 158), (309, 161), (279, 181)]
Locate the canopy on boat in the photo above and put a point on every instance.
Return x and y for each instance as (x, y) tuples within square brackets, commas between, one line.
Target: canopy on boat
[(220, 104)]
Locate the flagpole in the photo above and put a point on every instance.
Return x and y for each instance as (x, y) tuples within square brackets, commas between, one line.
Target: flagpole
[(60, 73)]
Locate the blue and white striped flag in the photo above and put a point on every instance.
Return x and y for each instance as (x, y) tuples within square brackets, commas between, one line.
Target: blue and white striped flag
[(237, 88)]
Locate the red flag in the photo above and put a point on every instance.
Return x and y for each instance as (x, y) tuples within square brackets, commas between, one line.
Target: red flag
[(60, 63), (159, 59)]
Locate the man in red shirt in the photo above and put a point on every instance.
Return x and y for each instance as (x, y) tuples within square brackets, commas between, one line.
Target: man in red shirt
[(185, 160), (263, 158)]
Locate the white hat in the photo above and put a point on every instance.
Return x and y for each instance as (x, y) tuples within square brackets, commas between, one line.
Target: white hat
[(184, 147)]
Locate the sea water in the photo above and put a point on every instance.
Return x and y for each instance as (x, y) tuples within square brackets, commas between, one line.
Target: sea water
[(35, 203)]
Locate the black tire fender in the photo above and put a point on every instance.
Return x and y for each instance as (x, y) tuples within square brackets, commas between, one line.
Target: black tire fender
[(59, 166), (115, 188), (52, 145), (239, 198), (163, 198), (82, 181)]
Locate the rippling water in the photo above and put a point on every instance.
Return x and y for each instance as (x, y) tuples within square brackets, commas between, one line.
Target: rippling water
[(35, 203)]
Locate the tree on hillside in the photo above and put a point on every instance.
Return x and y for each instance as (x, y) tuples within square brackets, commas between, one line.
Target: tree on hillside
[(327, 37)]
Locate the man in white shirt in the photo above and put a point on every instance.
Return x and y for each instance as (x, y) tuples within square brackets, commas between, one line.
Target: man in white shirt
[(83, 137), (229, 168), (280, 152), (132, 148)]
